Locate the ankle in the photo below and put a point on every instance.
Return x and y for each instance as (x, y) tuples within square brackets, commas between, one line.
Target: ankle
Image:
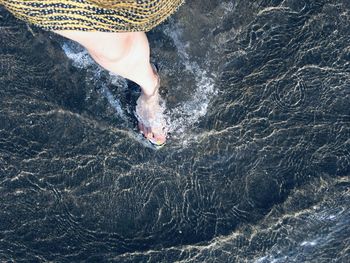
[(152, 89), (150, 100)]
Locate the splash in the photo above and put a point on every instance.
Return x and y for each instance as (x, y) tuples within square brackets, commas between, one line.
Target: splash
[(79, 56), (82, 59), (181, 118)]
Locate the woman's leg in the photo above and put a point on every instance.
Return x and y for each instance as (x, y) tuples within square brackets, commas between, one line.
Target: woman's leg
[(128, 55)]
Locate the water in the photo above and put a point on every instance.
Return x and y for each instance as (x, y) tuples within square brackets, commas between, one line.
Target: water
[(257, 167)]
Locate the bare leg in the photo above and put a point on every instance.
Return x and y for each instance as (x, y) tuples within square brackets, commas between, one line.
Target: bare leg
[(128, 55)]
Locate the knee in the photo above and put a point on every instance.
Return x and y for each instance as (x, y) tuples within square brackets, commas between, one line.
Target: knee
[(112, 51)]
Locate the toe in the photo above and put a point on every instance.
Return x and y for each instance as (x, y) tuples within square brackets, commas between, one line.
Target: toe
[(144, 130), (141, 128), (159, 138), (148, 133)]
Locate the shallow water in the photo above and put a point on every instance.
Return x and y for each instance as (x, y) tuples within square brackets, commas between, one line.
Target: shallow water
[(257, 166)]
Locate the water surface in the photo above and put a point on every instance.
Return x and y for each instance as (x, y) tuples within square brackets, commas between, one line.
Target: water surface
[(257, 166)]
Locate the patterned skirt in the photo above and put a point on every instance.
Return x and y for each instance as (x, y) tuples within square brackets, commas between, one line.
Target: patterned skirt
[(93, 15)]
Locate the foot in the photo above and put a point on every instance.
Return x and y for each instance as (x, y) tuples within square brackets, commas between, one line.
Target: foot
[(150, 114), (151, 118)]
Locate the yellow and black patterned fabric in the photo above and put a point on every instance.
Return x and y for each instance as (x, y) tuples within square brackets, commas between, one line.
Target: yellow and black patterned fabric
[(93, 15)]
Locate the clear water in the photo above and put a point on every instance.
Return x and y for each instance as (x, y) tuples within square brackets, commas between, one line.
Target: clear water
[(257, 166)]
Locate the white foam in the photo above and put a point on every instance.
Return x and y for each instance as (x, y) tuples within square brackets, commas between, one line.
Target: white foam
[(81, 59), (309, 243), (182, 117)]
